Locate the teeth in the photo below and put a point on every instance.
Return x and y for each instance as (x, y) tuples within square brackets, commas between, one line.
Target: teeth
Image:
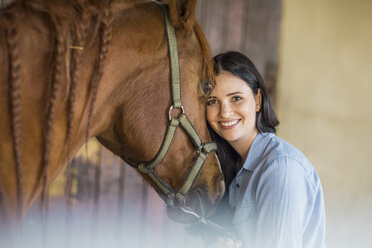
[(229, 123)]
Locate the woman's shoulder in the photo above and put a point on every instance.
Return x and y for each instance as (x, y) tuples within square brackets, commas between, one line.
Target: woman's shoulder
[(279, 153), (279, 148)]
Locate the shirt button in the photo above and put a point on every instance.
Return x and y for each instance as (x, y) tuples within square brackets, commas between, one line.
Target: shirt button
[(237, 185)]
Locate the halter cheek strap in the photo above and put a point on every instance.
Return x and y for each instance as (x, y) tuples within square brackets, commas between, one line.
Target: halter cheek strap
[(203, 149)]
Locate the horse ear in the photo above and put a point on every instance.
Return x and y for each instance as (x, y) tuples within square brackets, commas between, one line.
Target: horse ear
[(182, 13)]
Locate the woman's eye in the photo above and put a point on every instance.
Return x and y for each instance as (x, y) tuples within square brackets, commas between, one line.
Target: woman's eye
[(211, 102), (236, 98)]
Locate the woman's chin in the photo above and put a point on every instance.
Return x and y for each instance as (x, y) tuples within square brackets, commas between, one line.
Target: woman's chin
[(230, 138)]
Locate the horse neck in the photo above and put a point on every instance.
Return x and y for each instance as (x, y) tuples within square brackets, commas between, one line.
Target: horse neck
[(136, 74)]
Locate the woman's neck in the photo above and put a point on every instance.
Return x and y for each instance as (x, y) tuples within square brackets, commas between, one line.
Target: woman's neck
[(243, 145)]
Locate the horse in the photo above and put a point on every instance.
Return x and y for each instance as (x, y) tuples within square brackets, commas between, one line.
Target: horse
[(76, 69)]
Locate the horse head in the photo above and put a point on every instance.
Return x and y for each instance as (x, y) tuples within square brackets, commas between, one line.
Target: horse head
[(142, 100)]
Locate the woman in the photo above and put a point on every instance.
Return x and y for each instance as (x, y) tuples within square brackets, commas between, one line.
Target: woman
[(276, 193)]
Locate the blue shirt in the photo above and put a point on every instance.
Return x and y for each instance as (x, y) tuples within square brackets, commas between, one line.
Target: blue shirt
[(278, 197)]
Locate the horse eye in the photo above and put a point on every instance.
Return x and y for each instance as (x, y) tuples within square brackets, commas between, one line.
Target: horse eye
[(206, 87)]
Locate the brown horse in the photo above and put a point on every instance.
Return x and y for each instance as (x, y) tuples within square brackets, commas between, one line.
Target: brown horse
[(75, 69)]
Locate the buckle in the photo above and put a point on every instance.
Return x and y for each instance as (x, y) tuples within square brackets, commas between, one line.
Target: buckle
[(201, 150), (206, 148)]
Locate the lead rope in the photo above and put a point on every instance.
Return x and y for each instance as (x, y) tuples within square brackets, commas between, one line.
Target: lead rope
[(236, 242), (207, 222)]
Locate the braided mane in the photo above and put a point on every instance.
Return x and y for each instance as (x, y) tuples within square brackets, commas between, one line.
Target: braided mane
[(72, 26)]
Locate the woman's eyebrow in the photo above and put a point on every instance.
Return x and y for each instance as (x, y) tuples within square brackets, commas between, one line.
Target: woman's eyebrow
[(233, 93)]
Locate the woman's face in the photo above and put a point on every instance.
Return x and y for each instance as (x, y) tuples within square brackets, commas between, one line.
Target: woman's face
[(231, 109)]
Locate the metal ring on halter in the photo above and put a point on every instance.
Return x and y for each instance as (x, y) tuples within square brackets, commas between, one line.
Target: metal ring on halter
[(201, 150), (171, 108)]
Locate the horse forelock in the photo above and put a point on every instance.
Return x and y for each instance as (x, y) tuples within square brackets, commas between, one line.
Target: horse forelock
[(207, 64), (182, 15)]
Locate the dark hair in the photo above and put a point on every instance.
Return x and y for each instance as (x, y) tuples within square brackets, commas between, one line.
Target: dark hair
[(266, 120)]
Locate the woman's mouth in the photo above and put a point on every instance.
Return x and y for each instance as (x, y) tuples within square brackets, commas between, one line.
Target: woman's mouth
[(228, 124)]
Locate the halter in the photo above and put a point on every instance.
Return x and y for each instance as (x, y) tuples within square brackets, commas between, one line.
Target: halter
[(166, 192)]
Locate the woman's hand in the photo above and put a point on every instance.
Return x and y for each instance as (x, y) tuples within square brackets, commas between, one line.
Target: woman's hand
[(227, 242)]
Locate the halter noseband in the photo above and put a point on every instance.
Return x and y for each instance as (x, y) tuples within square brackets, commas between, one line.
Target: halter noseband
[(166, 192)]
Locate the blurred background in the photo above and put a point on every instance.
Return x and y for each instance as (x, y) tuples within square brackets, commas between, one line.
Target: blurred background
[(315, 57)]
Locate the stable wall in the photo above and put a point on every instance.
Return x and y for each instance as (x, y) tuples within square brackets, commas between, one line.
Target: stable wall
[(324, 102)]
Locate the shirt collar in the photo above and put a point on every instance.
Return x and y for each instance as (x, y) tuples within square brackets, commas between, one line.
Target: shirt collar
[(257, 150)]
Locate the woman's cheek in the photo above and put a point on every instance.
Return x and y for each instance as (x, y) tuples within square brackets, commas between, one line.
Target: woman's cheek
[(210, 115)]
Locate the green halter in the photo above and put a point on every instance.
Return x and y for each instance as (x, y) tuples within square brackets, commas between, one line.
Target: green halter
[(166, 191)]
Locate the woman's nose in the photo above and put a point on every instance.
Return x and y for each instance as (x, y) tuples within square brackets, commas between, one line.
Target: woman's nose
[(225, 110)]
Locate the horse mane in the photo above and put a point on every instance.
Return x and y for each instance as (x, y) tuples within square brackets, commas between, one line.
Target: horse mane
[(73, 26)]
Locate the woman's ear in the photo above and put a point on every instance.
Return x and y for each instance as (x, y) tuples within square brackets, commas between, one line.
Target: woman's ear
[(258, 99), (182, 13)]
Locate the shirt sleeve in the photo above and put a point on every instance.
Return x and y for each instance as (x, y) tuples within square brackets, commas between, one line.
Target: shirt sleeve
[(283, 200)]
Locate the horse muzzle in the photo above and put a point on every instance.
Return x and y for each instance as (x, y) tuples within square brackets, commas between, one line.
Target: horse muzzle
[(196, 206)]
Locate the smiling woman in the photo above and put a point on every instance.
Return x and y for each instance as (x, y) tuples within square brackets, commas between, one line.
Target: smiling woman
[(232, 110), (275, 195)]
